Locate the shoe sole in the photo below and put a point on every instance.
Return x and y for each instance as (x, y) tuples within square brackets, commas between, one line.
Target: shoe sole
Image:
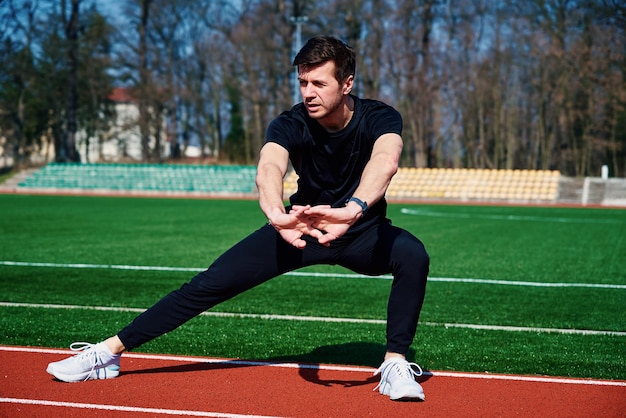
[(108, 372), (408, 399), (409, 395)]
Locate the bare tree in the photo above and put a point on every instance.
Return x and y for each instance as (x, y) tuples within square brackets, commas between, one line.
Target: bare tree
[(69, 153), (18, 77), (489, 84), (410, 53), (144, 79)]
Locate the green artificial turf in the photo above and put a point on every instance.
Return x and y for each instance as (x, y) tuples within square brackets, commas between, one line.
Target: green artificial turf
[(81, 237)]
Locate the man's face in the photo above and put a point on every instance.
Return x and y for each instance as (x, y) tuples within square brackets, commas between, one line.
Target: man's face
[(321, 92)]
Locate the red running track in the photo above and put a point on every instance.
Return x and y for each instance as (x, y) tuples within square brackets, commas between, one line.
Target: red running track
[(161, 386)]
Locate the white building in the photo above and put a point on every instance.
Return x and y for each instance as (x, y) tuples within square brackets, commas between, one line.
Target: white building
[(122, 142)]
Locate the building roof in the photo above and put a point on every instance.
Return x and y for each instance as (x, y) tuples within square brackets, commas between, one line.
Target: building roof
[(121, 95)]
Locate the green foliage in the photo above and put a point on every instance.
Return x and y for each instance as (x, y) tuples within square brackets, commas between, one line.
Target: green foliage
[(508, 244), (235, 144), (34, 77)]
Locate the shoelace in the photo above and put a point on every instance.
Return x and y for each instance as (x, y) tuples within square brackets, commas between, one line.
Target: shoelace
[(88, 354), (404, 369)]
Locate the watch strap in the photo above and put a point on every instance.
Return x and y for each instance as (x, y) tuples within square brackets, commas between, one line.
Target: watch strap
[(358, 202)]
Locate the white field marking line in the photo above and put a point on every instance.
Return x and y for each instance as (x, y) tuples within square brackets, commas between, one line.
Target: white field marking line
[(330, 367), (312, 274), (208, 313), (425, 212), (210, 360), (463, 280), (329, 319), (120, 408), (98, 266)]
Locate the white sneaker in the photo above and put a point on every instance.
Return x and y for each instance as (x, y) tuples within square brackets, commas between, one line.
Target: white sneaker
[(397, 380), (95, 362)]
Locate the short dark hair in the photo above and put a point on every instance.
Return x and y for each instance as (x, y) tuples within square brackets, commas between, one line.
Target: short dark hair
[(321, 49)]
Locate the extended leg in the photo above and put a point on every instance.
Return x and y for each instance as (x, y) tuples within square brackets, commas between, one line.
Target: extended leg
[(256, 259)]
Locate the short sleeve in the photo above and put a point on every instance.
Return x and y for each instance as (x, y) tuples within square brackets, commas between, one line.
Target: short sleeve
[(384, 120), (284, 131)]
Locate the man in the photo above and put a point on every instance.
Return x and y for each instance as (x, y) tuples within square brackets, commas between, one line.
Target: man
[(345, 151)]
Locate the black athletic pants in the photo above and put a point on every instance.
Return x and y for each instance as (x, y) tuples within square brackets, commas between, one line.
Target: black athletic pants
[(263, 255)]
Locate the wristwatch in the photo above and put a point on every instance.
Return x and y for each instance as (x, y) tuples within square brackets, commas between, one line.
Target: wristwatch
[(358, 202)]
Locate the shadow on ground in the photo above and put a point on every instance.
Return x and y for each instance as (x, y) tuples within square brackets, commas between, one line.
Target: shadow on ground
[(369, 354)]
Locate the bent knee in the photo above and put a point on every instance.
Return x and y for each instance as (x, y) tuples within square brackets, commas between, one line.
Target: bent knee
[(412, 256)]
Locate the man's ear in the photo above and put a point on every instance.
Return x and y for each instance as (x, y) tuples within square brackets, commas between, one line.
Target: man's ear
[(347, 84)]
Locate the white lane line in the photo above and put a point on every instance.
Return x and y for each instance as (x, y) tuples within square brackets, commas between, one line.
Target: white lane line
[(313, 274), (440, 214), (119, 408), (98, 266), (330, 367), (328, 319)]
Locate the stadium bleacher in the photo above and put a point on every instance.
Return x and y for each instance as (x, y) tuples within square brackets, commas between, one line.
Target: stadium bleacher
[(452, 184), (467, 185), (162, 178)]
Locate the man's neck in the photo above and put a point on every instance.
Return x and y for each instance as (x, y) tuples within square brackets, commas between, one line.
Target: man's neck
[(341, 117)]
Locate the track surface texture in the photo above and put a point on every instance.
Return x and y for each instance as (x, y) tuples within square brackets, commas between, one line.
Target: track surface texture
[(153, 385)]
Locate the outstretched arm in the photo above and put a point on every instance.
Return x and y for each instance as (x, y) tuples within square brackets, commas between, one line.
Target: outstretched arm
[(271, 169), (379, 171)]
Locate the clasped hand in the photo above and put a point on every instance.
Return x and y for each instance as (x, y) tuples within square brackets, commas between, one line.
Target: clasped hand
[(322, 222)]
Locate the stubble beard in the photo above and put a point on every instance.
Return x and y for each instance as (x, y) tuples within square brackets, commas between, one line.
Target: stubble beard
[(327, 111)]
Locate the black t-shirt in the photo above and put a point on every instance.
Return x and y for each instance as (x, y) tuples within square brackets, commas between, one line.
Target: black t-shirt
[(329, 165)]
